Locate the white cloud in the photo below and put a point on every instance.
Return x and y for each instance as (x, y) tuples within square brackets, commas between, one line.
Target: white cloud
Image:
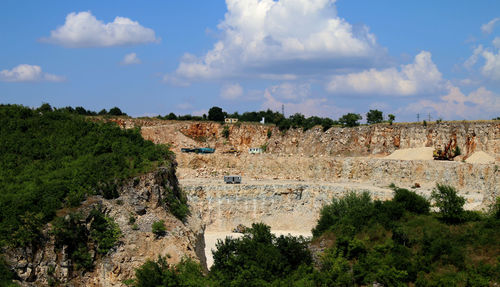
[(496, 42), (231, 92), (84, 30), (130, 59), (28, 73), (291, 91), (479, 104), (491, 68), (420, 76), (297, 98), (268, 38), (488, 27), (472, 60)]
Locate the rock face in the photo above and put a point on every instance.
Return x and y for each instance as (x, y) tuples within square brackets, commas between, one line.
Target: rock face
[(281, 205), (372, 140), (141, 199)]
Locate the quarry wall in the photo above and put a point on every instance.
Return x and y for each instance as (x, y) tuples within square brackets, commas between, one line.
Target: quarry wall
[(381, 139)]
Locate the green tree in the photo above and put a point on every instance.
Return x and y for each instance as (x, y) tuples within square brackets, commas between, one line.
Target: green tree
[(350, 120), (449, 203), (374, 117), (158, 228), (391, 118), (215, 114), (116, 112), (225, 132)]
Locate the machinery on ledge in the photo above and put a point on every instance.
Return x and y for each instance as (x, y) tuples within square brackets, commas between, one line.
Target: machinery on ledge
[(232, 179)]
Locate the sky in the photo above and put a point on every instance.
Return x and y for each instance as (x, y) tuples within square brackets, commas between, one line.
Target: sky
[(437, 59)]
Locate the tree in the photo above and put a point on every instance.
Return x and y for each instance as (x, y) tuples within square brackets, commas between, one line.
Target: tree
[(158, 228), (350, 120), (374, 117), (451, 206), (215, 114), (391, 118), (116, 112), (171, 116)]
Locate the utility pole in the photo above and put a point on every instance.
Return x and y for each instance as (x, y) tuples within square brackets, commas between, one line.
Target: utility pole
[(418, 118), (429, 115), (283, 110)]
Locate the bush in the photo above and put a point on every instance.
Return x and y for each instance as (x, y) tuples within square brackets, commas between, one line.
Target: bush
[(225, 132), (104, 231), (411, 201), (449, 203), (258, 258), (158, 228), (158, 273), (351, 212)]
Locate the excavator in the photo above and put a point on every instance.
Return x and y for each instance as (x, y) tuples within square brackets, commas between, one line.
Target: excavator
[(450, 151)]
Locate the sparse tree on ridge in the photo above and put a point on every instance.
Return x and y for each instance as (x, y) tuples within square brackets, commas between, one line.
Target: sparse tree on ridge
[(350, 120), (391, 118), (374, 117), (215, 114)]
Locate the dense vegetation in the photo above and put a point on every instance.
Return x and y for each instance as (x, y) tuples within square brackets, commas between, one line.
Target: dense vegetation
[(296, 120), (398, 242), (53, 158)]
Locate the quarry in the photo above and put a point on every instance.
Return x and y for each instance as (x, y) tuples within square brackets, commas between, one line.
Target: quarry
[(301, 171), (284, 186)]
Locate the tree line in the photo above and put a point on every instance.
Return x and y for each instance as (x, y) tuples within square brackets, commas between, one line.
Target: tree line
[(296, 120)]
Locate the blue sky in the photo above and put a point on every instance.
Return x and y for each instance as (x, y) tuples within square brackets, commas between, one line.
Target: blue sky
[(316, 57)]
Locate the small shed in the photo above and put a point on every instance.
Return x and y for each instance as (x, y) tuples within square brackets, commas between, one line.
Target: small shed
[(230, 120), (255, 150)]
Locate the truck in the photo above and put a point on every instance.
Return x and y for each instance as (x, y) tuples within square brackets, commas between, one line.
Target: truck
[(232, 179)]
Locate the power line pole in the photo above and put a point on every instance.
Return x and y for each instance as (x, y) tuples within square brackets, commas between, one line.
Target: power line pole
[(418, 118), (283, 110), (429, 117)]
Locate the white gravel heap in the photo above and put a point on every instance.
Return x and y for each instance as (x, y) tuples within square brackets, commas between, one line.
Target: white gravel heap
[(420, 153), (480, 157)]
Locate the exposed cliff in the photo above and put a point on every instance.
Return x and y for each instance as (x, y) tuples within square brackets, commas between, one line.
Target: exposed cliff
[(369, 140), (141, 202)]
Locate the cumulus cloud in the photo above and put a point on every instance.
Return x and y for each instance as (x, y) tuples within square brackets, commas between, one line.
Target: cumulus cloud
[(488, 27), (491, 68), (84, 30), (28, 73), (472, 60), (420, 76), (231, 92), (131, 59), (297, 98), (480, 103), (270, 38)]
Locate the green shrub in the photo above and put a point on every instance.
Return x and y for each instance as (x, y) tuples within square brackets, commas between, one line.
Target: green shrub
[(225, 132), (176, 201), (158, 273), (258, 258), (411, 201), (449, 203), (104, 231), (158, 228), (351, 212)]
